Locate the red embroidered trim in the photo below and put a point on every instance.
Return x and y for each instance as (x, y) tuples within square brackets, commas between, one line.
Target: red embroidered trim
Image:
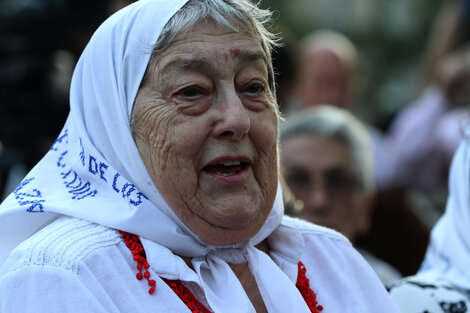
[(307, 293), (138, 252), (187, 296)]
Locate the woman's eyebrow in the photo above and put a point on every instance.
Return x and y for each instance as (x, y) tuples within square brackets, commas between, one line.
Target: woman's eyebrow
[(251, 57), (172, 69), (201, 64)]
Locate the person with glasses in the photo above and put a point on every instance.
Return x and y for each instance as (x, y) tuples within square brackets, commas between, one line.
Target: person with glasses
[(327, 161)]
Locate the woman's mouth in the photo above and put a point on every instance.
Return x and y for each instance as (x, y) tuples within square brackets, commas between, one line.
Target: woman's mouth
[(228, 169)]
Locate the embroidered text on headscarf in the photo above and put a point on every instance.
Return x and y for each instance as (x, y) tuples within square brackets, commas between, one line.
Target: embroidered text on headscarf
[(30, 196)]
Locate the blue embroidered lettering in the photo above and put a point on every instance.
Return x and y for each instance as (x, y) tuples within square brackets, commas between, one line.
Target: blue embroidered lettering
[(93, 165), (24, 195), (36, 207), (128, 193), (103, 168), (32, 198), (69, 184), (128, 190), (77, 187), (114, 182), (33, 205), (83, 191), (82, 153), (61, 157), (92, 193), (22, 184), (81, 188), (140, 199), (26, 202), (59, 140)]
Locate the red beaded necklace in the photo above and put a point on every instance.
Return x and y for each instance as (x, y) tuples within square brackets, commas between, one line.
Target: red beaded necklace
[(138, 252)]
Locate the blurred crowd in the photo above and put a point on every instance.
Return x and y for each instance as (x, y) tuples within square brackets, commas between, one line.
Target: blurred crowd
[(383, 187)]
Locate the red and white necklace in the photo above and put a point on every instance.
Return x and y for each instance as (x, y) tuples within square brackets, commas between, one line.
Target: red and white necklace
[(138, 252)]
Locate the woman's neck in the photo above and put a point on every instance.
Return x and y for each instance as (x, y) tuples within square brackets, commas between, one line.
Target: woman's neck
[(248, 281), (246, 278)]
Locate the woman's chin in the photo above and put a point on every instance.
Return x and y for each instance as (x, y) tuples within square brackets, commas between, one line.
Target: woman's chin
[(230, 229), (227, 237), (223, 218), (233, 220), (234, 212)]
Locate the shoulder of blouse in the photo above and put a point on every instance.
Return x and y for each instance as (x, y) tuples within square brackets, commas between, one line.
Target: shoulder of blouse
[(420, 294), (308, 229), (62, 244)]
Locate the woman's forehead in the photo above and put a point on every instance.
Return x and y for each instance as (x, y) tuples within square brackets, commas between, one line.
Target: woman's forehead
[(207, 31), (198, 49)]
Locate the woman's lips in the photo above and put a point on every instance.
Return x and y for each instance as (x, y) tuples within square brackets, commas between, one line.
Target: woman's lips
[(228, 169)]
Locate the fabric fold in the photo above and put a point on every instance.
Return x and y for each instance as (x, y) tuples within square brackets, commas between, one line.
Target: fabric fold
[(449, 247), (267, 275), (223, 290)]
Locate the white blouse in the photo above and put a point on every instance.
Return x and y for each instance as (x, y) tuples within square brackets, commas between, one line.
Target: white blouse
[(76, 266)]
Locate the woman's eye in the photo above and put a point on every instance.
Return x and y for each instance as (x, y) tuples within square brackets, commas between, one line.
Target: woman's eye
[(254, 88), (191, 92)]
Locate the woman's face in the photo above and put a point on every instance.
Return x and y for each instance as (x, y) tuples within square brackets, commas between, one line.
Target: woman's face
[(205, 124)]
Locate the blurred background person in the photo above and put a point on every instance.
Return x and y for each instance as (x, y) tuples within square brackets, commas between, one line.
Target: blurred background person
[(327, 70), (417, 147), (443, 282), (421, 141), (327, 160), (328, 73)]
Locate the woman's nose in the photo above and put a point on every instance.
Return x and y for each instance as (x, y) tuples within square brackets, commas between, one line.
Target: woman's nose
[(233, 121)]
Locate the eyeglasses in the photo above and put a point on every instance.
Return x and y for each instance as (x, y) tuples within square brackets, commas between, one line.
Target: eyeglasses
[(336, 182)]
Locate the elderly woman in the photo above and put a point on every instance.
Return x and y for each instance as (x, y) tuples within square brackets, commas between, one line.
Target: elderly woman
[(164, 180)]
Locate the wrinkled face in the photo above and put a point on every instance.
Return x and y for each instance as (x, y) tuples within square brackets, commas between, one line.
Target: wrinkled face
[(320, 172), (324, 79), (205, 124)]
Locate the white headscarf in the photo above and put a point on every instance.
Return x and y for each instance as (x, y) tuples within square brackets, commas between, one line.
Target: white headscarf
[(94, 170), (448, 254)]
